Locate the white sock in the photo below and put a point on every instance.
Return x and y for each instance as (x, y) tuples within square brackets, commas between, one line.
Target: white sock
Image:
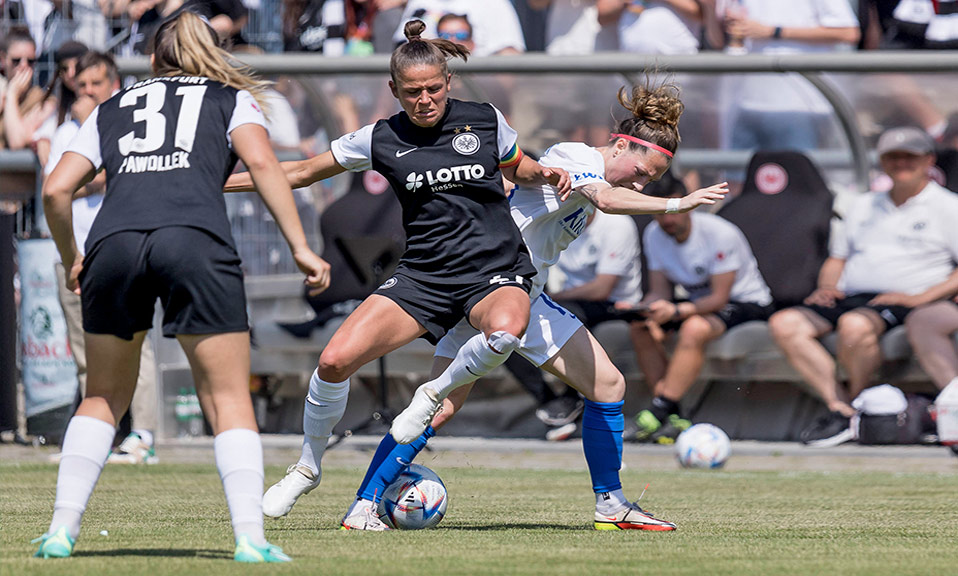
[(477, 357), (609, 503), (325, 406), (239, 460), (86, 445), (145, 435)]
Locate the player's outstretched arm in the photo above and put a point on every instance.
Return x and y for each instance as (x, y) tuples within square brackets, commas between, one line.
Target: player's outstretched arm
[(299, 173), (252, 146), (618, 200), (73, 171)]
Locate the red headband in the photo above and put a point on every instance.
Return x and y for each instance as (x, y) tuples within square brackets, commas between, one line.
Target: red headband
[(643, 142)]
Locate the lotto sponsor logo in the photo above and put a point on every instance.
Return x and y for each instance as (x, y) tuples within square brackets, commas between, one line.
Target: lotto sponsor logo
[(445, 178), (154, 163)]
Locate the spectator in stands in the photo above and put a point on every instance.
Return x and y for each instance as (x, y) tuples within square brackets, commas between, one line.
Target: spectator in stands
[(97, 79), (659, 26), (227, 17), (23, 105), (63, 86), (909, 24), (711, 260), (332, 27), (573, 27), (771, 110), (897, 251), (495, 23)]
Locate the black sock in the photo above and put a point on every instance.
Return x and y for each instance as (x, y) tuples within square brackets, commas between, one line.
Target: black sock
[(662, 407)]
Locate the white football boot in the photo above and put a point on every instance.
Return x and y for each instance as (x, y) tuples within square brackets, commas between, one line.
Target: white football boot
[(631, 517), (413, 421), (362, 516), (280, 497)]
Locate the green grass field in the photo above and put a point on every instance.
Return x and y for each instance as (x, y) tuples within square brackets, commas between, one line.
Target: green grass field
[(171, 519)]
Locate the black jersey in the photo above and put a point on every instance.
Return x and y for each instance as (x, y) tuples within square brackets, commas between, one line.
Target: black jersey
[(455, 214), (164, 144)]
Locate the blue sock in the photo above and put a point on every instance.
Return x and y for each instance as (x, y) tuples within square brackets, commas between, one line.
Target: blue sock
[(602, 425), (389, 461)]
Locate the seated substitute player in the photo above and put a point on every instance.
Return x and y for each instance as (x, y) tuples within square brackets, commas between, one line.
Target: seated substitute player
[(607, 178), (897, 250), (464, 257), (162, 232), (710, 258)]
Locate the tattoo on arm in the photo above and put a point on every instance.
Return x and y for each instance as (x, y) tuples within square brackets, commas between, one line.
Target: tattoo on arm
[(590, 191)]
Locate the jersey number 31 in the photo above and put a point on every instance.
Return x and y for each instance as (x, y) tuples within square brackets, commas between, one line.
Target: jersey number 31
[(152, 114)]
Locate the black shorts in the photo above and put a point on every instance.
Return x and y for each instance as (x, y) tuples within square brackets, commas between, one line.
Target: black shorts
[(440, 306), (735, 313), (196, 276), (892, 315)]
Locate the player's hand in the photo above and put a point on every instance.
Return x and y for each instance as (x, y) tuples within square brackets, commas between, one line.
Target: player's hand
[(73, 275), (560, 179), (824, 297), (316, 269), (704, 197), (894, 299)]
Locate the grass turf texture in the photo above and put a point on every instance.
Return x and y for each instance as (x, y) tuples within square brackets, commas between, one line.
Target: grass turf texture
[(172, 519)]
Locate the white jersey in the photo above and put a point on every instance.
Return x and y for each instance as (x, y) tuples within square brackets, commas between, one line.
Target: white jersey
[(548, 225), (84, 209), (714, 246), (609, 245), (907, 248)]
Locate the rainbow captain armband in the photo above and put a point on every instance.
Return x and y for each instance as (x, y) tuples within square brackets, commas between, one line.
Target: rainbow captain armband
[(512, 158)]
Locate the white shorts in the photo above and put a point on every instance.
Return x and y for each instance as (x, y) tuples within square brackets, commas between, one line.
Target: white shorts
[(550, 327)]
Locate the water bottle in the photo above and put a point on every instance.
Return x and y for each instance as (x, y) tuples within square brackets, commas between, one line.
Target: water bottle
[(195, 421), (181, 410)]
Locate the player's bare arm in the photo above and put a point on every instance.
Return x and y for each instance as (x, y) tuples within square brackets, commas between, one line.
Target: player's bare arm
[(299, 173), (72, 172), (619, 200), (528, 172)]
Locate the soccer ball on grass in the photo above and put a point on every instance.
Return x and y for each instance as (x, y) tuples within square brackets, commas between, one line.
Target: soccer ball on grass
[(416, 500)]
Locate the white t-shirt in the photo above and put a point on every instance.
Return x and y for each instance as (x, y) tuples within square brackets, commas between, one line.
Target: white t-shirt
[(84, 209), (609, 245), (658, 29), (547, 225), (777, 92), (495, 25), (907, 248), (573, 28), (714, 246)]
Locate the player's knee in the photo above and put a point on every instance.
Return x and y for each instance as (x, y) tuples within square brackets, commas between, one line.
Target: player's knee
[(609, 386), (334, 364)]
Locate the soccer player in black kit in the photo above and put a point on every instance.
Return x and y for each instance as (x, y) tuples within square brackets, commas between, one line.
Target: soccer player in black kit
[(167, 145), (464, 255)]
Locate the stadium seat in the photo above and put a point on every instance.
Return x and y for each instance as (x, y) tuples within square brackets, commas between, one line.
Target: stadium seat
[(785, 211)]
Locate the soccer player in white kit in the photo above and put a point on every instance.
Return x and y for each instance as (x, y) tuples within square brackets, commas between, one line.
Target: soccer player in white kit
[(607, 178)]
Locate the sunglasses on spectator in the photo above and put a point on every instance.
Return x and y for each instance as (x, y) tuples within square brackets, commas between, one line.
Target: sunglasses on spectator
[(30, 61), (461, 36)]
